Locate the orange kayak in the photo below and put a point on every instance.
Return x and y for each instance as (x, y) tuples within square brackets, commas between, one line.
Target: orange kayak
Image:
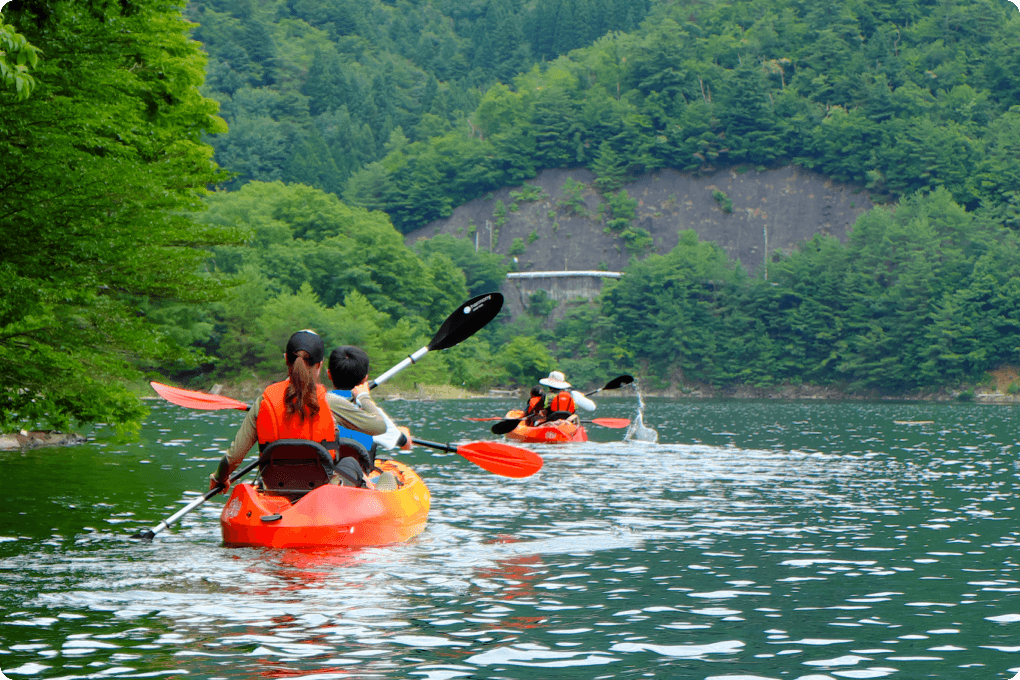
[(556, 432), (329, 516)]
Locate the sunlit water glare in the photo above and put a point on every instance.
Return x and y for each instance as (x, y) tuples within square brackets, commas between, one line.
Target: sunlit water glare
[(756, 540)]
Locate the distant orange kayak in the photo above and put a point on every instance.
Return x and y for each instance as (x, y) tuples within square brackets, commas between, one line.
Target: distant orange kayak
[(329, 516), (556, 432)]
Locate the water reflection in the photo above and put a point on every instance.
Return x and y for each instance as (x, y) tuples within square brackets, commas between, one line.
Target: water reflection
[(756, 540)]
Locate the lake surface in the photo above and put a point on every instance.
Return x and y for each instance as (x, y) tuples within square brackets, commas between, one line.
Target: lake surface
[(756, 540)]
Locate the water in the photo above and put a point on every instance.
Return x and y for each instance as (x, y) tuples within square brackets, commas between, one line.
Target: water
[(756, 540)]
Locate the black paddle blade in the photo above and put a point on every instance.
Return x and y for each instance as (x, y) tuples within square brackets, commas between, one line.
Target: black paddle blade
[(618, 382), (504, 426), (469, 318), (144, 535)]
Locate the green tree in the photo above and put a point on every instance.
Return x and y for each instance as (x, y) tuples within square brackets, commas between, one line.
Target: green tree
[(525, 360), (99, 167), (484, 271)]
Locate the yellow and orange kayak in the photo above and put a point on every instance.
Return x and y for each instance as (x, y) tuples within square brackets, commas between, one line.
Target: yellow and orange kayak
[(555, 432), (329, 516)]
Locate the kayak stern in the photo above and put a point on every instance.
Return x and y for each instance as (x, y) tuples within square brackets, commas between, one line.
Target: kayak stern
[(329, 516)]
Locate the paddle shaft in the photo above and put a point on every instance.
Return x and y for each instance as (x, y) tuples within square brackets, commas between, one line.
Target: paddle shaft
[(151, 533), (434, 445), (411, 359)]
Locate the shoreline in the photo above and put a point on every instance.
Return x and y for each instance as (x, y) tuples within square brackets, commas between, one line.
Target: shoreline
[(985, 394), (248, 390)]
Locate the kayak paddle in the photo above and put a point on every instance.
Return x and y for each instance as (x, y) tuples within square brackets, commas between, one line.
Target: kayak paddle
[(609, 422), (613, 384), (495, 457), (197, 400), (508, 425)]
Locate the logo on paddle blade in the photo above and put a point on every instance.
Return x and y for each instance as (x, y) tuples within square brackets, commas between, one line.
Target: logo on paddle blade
[(478, 303)]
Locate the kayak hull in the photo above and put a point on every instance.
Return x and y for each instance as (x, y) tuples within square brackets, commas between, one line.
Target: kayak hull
[(329, 516), (557, 432)]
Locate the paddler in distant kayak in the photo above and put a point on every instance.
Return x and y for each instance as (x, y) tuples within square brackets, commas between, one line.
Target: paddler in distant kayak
[(534, 412), (561, 403), (295, 408)]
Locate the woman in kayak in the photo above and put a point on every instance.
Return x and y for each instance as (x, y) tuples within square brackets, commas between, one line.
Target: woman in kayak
[(562, 402), (295, 408)]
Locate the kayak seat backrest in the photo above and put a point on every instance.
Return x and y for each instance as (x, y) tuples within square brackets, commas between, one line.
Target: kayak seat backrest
[(294, 466), (351, 448), (557, 415)]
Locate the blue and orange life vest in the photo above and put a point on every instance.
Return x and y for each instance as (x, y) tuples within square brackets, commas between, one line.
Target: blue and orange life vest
[(562, 401), (273, 423), (341, 431)]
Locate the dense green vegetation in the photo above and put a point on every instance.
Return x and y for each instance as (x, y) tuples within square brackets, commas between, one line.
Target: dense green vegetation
[(315, 90), (312, 261), (97, 167), (17, 58)]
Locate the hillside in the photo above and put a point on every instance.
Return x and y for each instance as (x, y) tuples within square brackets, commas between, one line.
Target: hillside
[(772, 210)]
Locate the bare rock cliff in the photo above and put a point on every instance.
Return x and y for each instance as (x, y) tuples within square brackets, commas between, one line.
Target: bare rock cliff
[(751, 214)]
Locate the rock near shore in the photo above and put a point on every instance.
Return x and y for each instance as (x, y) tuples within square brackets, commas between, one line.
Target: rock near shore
[(21, 441)]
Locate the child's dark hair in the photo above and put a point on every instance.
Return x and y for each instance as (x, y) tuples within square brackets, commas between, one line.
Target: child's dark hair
[(348, 366), (537, 391)]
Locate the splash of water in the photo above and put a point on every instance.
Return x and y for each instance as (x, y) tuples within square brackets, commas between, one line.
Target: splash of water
[(637, 430)]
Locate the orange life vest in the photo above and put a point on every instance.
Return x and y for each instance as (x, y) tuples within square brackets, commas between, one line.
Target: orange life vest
[(562, 401), (534, 405), (273, 423)]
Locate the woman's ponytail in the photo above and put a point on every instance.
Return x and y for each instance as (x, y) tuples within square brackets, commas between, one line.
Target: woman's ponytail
[(301, 396)]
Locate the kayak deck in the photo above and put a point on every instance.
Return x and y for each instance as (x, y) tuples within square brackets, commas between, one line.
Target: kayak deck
[(555, 432), (329, 516)]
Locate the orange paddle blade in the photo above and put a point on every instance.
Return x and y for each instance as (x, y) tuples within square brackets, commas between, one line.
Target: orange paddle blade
[(199, 400), (612, 422), (502, 459)]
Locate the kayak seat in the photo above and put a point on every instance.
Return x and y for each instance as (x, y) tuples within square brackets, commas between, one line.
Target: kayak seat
[(294, 466), (351, 448), (557, 415)]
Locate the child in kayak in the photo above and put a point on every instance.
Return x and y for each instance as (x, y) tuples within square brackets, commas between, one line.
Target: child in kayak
[(348, 371), (535, 411)]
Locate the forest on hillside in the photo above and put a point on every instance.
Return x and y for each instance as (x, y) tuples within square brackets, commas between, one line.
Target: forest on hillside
[(342, 125), (914, 100), (314, 90)]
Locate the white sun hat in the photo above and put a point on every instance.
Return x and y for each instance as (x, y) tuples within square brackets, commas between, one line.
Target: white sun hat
[(556, 380)]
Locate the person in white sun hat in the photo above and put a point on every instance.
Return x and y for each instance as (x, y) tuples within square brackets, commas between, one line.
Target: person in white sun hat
[(561, 403)]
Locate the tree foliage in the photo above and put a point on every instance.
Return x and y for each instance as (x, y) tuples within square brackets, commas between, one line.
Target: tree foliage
[(97, 169)]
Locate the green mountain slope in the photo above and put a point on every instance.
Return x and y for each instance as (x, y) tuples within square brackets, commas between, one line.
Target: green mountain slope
[(314, 90)]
